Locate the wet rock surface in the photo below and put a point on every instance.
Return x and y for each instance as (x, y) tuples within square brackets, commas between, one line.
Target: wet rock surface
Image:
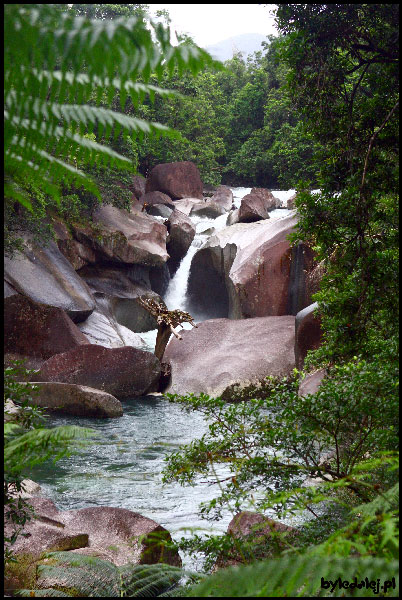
[(122, 372), (256, 205), (116, 294), (223, 352)]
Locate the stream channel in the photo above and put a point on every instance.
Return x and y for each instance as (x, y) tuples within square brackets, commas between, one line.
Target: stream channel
[(122, 465)]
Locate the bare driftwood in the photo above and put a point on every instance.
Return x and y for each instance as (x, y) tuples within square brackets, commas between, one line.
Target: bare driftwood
[(167, 320)]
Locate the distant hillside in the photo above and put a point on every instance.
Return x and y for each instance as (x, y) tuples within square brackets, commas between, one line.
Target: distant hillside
[(246, 43)]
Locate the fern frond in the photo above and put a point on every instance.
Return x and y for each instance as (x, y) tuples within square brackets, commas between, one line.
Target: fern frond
[(298, 576), (46, 106), (382, 503), (95, 577), (37, 445), (149, 580), (45, 593)]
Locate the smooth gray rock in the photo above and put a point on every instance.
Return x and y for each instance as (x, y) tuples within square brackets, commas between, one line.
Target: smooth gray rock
[(45, 275), (124, 237), (223, 352), (76, 400), (308, 335)]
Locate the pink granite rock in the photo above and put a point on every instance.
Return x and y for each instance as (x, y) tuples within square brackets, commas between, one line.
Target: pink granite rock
[(36, 330), (122, 372), (250, 271), (176, 179)]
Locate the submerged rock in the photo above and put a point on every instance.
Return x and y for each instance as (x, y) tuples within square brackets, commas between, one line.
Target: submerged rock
[(223, 353), (122, 372), (76, 400), (176, 179)]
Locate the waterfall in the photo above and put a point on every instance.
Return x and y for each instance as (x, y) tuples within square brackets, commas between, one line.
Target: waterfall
[(175, 296)]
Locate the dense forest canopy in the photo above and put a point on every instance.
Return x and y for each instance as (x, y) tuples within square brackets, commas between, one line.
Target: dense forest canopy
[(317, 108)]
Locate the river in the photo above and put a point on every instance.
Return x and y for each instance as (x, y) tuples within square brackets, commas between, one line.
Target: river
[(122, 466)]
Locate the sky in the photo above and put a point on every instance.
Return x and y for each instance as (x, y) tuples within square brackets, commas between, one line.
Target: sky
[(211, 23)]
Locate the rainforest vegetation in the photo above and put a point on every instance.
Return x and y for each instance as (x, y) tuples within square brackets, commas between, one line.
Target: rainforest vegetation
[(317, 108)]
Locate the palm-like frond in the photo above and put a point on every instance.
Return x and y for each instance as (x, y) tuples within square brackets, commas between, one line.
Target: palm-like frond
[(56, 66)]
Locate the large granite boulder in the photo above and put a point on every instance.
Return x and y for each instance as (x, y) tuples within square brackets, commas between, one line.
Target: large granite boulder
[(308, 333), (45, 275), (256, 205), (117, 297), (223, 354), (137, 185), (76, 400), (120, 236), (181, 234), (122, 372), (176, 179), (223, 195), (247, 270), (37, 330), (117, 535), (77, 254)]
